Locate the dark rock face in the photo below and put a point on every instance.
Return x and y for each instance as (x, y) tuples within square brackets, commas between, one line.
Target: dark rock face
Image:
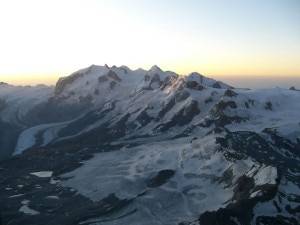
[(143, 118), (194, 85), (169, 81), (278, 220), (112, 85), (190, 112), (241, 207), (175, 120), (166, 107), (161, 178), (217, 85), (155, 79), (220, 118), (257, 146), (114, 76), (265, 151), (268, 106), (154, 82), (220, 217), (181, 118), (181, 96), (119, 127), (223, 105), (223, 120), (289, 148), (230, 93), (102, 79), (62, 83), (247, 143)]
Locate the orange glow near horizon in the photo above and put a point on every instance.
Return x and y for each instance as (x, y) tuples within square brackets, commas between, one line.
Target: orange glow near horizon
[(236, 80), (36, 79), (44, 40), (225, 70)]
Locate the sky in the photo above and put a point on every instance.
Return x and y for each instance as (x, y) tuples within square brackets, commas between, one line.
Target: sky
[(245, 42)]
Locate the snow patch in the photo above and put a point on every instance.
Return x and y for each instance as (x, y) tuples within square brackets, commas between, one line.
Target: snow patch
[(263, 175), (256, 193), (52, 197), (52, 181), (43, 174), (25, 202), (266, 175), (25, 209), (16, 196)]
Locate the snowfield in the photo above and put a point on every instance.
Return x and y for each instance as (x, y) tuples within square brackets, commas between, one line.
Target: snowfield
[(195, 187)]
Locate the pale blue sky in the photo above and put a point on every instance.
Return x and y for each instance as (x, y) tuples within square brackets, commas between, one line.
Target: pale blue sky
[(42, 40)]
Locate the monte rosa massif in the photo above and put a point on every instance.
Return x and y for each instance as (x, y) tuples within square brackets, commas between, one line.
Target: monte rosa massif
[(111, 145)]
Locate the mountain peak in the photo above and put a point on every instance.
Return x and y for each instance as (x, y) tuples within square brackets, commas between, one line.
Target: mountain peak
[(195, 74), (155, 68)]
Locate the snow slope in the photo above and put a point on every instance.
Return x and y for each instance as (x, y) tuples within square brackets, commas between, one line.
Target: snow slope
[(196, 186)]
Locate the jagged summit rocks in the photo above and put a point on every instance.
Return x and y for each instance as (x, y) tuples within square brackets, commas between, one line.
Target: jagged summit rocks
[(148, 147)]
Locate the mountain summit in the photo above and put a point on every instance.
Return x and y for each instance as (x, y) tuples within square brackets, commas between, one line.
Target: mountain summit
[(110, 145)]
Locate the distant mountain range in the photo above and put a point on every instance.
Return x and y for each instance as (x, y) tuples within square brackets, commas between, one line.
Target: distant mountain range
[(109, 145)]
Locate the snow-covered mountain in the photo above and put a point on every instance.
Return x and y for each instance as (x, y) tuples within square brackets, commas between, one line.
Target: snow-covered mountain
[(149, 147)]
